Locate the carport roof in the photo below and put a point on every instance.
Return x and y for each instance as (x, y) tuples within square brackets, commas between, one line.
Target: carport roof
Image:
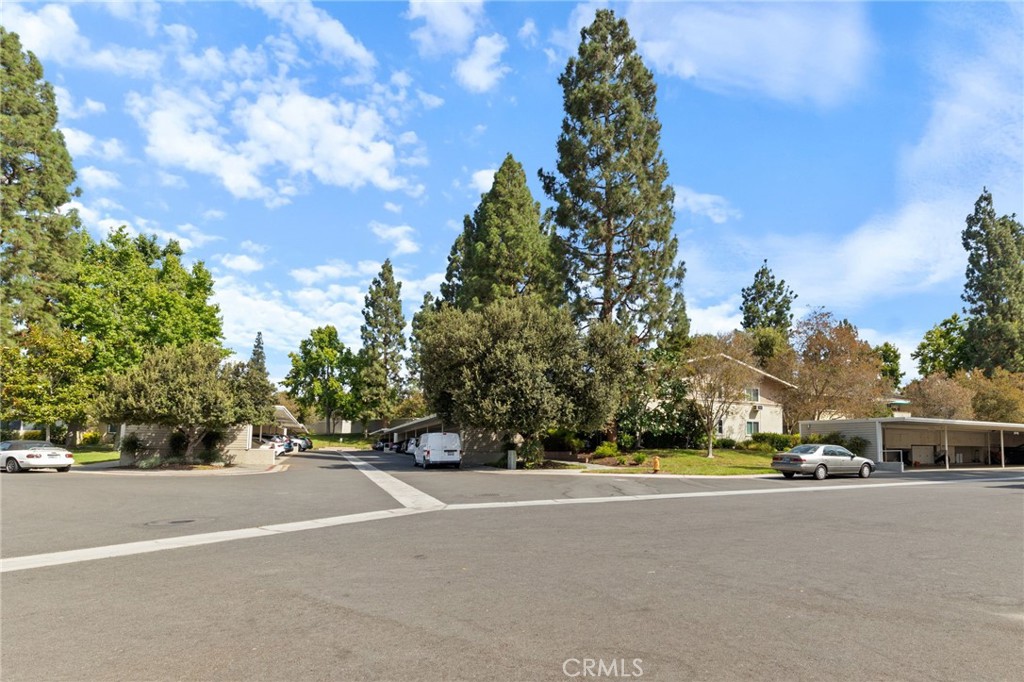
[(407, 426), (284, 418), (961, 424)]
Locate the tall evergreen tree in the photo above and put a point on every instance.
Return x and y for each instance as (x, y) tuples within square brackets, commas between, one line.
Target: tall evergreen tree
[(38, 243), (254, 392), (994, 291), (419, 320), (767, 302), (451, 287), (383, 343), (890, 357), (611, 190), (506, 252)]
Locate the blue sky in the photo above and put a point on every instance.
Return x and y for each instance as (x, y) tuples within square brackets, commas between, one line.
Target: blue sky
[(294, 146)]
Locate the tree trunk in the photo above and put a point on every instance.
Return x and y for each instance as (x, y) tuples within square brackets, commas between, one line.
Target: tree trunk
[(195, 437), (711, 443), (47, 433)]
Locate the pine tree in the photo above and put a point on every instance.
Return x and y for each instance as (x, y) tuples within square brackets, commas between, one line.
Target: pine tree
[(383, 343), (505, 251), (994, 291), (767, 302), (611, 192), (254, 392), (38, 243)]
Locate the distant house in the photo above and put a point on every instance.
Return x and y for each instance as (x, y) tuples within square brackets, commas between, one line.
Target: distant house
[(761, 409)]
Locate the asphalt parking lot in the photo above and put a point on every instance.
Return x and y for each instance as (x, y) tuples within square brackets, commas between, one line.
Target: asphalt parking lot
[(512, 577)]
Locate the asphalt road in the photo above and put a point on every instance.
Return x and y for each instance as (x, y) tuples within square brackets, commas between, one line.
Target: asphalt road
[(724, 579)]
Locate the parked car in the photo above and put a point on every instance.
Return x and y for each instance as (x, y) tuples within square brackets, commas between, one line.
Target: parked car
[(438, 448), (821, 461), (308, 441), (298, 443), (379, 445), (268, 444), (34, 454)]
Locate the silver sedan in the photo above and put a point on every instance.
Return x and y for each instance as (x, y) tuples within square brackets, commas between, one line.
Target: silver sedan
[(821, 461)]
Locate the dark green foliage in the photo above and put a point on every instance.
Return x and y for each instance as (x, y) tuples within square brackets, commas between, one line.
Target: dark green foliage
[(383, 338), (324, 376), (779, 441), (725, 443), (419, 319), (611, 192), (767, 303), (254, 392), (854, 444), (516, 366), (505, 250), (890, 356), (131, 446), (129, 295), (944, 348), (994, 290), (38, 244), (178, 444), (187, 388)]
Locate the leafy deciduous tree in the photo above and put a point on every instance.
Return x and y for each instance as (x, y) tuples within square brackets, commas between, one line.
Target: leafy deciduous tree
[(997, 398), (44, 378), (324, 376), (716, 375), (939, 397), (836, 371), (38, 243), (944, 348), (187, 387), (517, 366), (890, 357)]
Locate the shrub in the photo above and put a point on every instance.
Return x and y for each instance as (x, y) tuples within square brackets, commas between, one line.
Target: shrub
[(778, 441), (91, 438), (7, 434), (29, 435), (622, 460), (208, 456), (725, 443), (131, 446), (178, 443), (639, 458), (854, 444), (760, 447), (148, 462), (857, 445), (627, 441), (606, 449)]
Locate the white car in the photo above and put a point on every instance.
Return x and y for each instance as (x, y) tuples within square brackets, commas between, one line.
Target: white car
[(34, 454), (268, 444), (437, 448)]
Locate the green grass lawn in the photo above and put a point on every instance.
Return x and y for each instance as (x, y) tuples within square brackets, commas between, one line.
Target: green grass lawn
[(91, 454), (354, 441), (696, 463)]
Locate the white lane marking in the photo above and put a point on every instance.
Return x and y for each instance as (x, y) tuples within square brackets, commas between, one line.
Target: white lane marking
[(405, 494), (714, 493), (146, 546)]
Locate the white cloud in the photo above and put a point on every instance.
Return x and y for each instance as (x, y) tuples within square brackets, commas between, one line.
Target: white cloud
[(715, 319), (52, 34), (711, 206), (392, 207), (253, 247), (214, 214), (241, 263), (448, 26), (311, 23), (67, 108), (481, 69), (171, 180), (413, 290), (482, 180), (332, 270), (429, 101), (528, 32), (145, 13), (81, 143), (398, 235), (97, 179), (280, 129), (816, 52)]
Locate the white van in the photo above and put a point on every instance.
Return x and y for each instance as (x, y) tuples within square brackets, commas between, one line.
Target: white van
[(438, 448)]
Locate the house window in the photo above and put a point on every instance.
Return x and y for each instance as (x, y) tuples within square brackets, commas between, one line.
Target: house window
[(113, 428), (753, 395), (720, 427), (753, 427)]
